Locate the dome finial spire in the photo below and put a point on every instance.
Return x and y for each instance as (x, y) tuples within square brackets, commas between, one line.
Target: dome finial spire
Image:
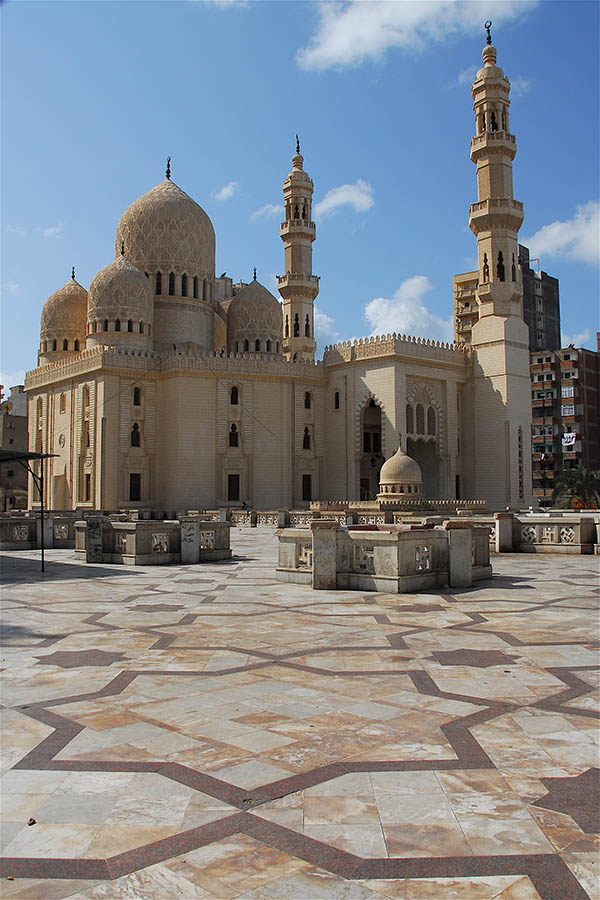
[(168, 172), (297, 144), (487, 27), (73, 273), (254, 273)]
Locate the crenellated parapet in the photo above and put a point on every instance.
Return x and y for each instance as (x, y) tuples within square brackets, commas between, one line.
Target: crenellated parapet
[(394, 344)]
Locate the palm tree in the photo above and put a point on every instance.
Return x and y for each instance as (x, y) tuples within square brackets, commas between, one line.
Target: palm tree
[(575, 488)]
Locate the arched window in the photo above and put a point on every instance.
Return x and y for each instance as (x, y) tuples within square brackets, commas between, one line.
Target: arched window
[(137, 396), (336, 400), (246, 345), (306, 440), (141, 327), (158, 283), (76, 345), (257, 345), (420, 419), (410, 423), (135, 435), (237, 347), (486, 269), (296, 326), (130, 325), (513, 269), (117, 324), (195, 287), (105, 325), (268, 346), (233, 436), (204, 289), (287, 326), (171, 284), (431, 420), (307, 327), (307, 400), (234, 396), (65, 344), (54, 345), (500, 267), (63, 403), (184, 285)]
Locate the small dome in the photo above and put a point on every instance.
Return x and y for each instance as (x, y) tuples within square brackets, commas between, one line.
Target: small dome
[(401, 469), (165, 230), (64, 314), (120, 290), (254, 315)]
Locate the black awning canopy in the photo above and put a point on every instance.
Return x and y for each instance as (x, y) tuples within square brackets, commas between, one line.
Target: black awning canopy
[(16, 455)]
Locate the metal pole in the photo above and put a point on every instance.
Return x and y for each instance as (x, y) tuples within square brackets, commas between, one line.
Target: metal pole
[(42, 461)]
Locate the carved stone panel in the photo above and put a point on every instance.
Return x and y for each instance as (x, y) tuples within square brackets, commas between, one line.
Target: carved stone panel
[(160, 542)]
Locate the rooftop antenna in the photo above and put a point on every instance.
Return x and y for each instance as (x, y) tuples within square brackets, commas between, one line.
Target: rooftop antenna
[(487, 27), (168, 173)]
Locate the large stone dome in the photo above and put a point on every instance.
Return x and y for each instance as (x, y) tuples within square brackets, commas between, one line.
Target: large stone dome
[(64, 319), (166, 231), (400, 474), (254, 315), (120, 303)]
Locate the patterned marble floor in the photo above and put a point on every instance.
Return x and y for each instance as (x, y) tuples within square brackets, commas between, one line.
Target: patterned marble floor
[(207, 732)]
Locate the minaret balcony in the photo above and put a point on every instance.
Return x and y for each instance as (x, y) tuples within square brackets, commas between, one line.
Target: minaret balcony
[(299, 280), (499, 212), (301, 227), (493, 142)]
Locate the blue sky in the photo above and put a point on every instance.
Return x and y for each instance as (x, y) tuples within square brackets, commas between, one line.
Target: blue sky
[(95, 95)]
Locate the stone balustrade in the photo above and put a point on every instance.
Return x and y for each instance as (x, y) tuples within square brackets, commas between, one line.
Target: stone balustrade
[(187, 541), (394, 559)]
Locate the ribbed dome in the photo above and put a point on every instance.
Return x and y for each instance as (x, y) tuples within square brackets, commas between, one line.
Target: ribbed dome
[(64, 314), (254, 314), (165, 230), (400, 469)]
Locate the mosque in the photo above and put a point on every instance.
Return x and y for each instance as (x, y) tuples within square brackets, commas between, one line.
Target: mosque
[(167, 387)]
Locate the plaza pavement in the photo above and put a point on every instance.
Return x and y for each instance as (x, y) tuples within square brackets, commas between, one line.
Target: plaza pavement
[(208, 732)]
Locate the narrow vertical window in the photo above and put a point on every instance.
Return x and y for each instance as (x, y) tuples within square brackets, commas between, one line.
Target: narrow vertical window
[(268, 346), (195, 287), (137, 396), (257, 345), (135, 486), (336, 400), (105, 325), (130, 325), (246, 345), (234, 396), (76, 345), (65, 344), (141, 327), (296, 326), (486, 269), (117, 324), (287, 326), (233, 487), (410, 424), (171, 284), (420, 419), (158, 283), (513, 269), (184, 285), (88, 486), (306, 440), (307, 327), (306, 487), (233, 436), (55, 345), (204, 289), (431, 421), (500, 267), (135, 435), (307, 399)]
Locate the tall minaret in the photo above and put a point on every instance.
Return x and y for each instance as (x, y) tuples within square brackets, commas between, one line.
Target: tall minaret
[(298, 286), (500, 453), (496, 217)]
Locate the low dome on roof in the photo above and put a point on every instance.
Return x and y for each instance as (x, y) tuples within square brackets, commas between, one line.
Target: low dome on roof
[(64, 313), (120, 290), (165, 230), (400, 469), (254, 314)]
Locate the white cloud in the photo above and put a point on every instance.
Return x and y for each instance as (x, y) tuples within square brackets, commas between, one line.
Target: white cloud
[(467, 76), (16, 229), (227, 191), (580, 339), (268, 211), (359, 195), (52, 231), (11, 287), (520, 86), (349, 33), (325, 329), (11, 379), (577, 238), (405, 312)]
